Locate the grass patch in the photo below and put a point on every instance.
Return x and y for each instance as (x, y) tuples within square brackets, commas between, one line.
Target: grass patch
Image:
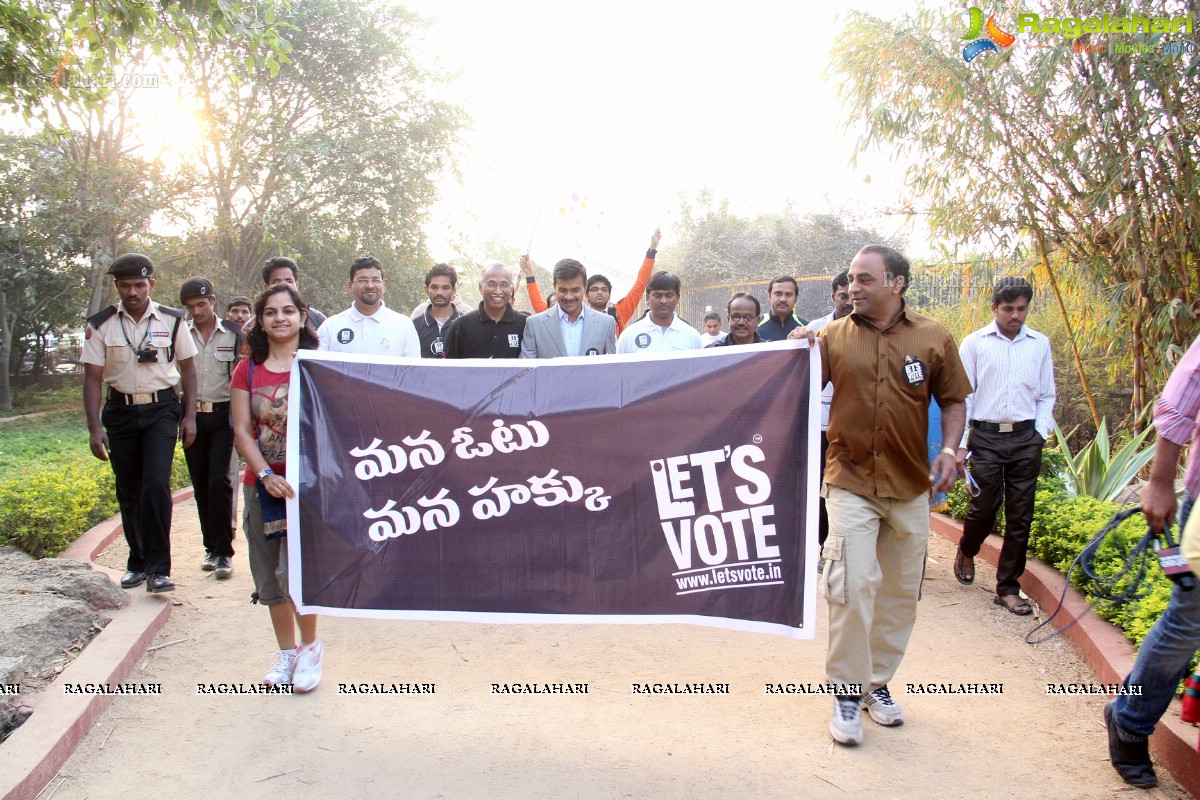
[(63, 394), (53, 489)]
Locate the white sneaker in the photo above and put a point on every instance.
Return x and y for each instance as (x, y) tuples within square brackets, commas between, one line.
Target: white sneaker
[(882, 708), (846, 725), (308, 666), (281, 670)]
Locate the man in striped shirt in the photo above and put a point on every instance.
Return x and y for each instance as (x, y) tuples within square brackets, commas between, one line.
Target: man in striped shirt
[(1163, 658), (1009, 417)]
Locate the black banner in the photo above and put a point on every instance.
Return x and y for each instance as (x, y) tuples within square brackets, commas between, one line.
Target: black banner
[(624, 489)]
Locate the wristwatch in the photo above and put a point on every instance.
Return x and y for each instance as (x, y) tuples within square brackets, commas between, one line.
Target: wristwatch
[(950, 452), (264, 473)]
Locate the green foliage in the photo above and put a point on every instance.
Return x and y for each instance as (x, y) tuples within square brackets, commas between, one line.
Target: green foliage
[(1060, 528), (1096, 471), (715, 245), (68, 50), (54, 489), (330, 156), (1090, 161), (1063, 525), (43, 511)]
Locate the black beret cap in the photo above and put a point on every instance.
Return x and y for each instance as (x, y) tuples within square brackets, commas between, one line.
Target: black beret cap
[(195, 287), (131, 265)]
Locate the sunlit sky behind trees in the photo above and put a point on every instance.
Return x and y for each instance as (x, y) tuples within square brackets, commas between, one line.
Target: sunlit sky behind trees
[(590, 122)]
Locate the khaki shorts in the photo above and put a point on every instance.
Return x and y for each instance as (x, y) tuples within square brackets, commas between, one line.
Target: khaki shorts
[(268, 557)]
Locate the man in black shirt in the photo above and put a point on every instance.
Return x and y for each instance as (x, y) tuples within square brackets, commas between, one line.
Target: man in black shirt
[(781, 294), (441, 282), (742, 313), (494, 330)]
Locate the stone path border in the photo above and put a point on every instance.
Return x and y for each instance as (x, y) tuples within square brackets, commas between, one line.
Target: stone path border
[(1102, 646), (38, 749)]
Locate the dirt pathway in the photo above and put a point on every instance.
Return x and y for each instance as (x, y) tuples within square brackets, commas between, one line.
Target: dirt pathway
[(465, 741)]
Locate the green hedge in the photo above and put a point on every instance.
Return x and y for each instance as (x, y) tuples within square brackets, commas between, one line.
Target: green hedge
[(51, 501), (1062, 525)]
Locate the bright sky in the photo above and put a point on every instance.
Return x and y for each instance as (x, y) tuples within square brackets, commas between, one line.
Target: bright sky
[(628, 105)]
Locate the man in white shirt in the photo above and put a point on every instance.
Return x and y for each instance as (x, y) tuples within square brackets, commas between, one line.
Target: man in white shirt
[(368, 326), (1009, 417), (712, 329), (660, 331)]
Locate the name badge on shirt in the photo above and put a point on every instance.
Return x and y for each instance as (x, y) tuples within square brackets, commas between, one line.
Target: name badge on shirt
[(642, 340), (915, 371), (592, 351), (345, 336)]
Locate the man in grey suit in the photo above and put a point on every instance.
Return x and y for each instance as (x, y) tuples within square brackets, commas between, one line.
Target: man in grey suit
[(570, 327)]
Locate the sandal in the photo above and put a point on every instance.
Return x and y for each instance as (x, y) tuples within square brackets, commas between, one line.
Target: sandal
[(964, 568), (1014, 604)]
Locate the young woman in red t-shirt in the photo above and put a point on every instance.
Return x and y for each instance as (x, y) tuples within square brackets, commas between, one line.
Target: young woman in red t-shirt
[(258, 398)]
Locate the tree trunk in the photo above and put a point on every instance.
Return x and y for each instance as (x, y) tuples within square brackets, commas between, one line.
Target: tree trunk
[(5, 355)]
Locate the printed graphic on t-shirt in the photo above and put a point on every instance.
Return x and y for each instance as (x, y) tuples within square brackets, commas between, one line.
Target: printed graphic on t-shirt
[(514, 340), (269, 405), (345, 336), (437, 346), (642, 340)]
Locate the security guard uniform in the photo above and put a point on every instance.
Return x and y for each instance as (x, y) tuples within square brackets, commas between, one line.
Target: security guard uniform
[(208, 457), (141, 415)]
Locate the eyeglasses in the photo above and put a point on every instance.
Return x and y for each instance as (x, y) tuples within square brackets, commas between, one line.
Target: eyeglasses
[(492, 286), (368, 281), (742, 317)]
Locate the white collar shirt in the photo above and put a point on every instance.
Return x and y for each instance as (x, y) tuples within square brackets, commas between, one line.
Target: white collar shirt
[(1013, 378), (572, 332), (647, 336), (384, 333)]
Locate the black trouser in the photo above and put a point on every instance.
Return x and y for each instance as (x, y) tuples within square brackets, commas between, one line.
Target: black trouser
[(822, 514), (208, 464), (141, 447), (1006, 466)]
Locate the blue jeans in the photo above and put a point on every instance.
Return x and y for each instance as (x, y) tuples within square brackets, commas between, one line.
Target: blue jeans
[(1163, 657)]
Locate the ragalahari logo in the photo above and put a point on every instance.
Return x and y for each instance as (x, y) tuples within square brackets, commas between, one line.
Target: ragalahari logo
[(991, 42)]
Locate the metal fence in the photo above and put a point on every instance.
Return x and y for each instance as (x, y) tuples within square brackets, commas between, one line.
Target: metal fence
[(929, 289)]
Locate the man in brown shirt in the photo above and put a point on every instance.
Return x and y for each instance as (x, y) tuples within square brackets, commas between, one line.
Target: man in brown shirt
[(885, 362)]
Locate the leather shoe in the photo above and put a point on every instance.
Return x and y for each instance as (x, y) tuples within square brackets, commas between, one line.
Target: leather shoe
[(131, 579), (210, 561), (224, 567), (1129, 756), (159, 583)]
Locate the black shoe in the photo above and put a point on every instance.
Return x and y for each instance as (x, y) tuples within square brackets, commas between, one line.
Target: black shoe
[(224, 567), (131, 579), (159, 583), (210, 561), (1129, 754)]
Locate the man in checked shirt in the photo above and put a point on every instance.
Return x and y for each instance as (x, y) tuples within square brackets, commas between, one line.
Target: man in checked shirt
[(1163, 658)]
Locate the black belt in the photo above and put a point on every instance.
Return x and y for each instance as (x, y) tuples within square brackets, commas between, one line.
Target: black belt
[(140, 398), (1002, 427), (210, 408)]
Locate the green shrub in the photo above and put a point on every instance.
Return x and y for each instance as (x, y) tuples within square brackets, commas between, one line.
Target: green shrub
[(62, 489), (44, 510), (1060, 529)]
